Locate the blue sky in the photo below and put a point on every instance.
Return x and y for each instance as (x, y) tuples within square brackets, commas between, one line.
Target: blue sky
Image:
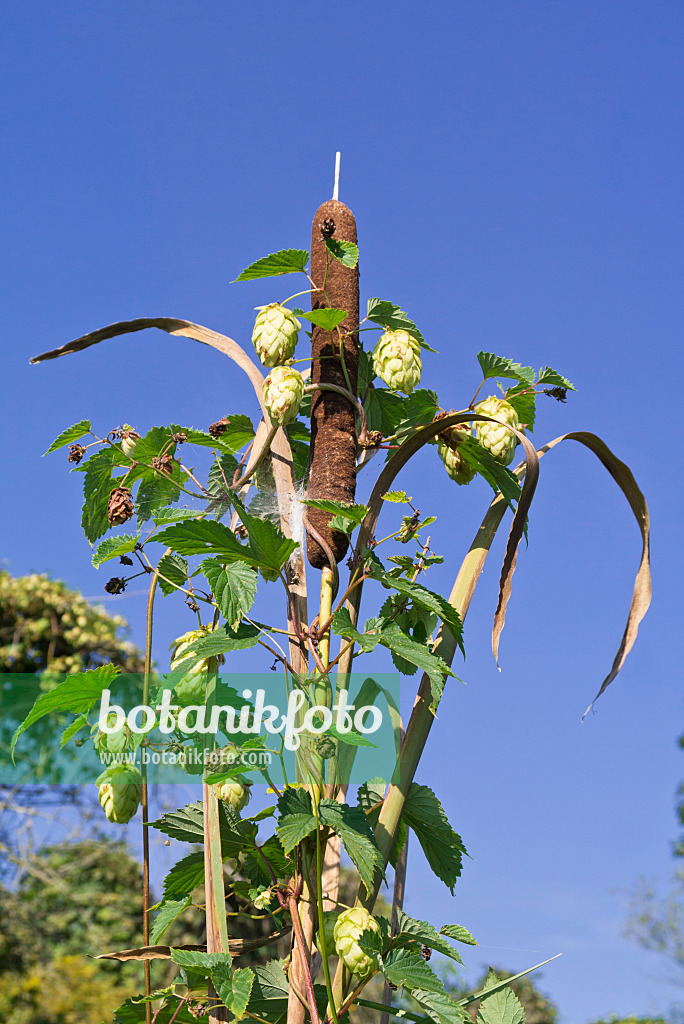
[(515, 171)]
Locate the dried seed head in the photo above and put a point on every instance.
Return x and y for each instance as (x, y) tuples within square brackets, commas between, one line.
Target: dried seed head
[(76, 453), (327, 227), (163, 463), (198, 1010), (180, 437), (125, 560), (116, 585), (119, 506), (220, 427), (560, 394)]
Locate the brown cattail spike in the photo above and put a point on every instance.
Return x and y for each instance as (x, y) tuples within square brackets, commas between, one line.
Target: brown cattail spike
[(332, 472)]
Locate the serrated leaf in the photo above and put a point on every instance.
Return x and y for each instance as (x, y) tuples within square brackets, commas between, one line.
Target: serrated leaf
[(267, 546), (166, 516), (270, 990), (343, 511), (351, 738), (398, 497), (497, 476), (407, 968), (71, 730), (549, 376), (203, 963), (443, 848), (394, 638), (297, 819), (237, 433), (285, 261), (524, 402), (69, 436), (456, 931), (386, 314), (351, 825), (440, 1008), (187, 825), (168, 911), (346, 252), (390, 413), (326, 318), (219, 480), (425, 599), (113, 547), (342, 626), (223, 640), (234, 987), (97, 486), (173, 573), (185, 875), (502, 1007), (78, 693), (414, 930), (499, 366), (234, 587)]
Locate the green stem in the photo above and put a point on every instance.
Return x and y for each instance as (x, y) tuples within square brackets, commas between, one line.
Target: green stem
[(321, 924), (144, 800)]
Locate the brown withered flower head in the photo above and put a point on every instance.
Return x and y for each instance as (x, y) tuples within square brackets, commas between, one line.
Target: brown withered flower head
[(220, 427), (327, 227), (116, 585), (163, 463), (119, 506), (76, 453), (180, 437)]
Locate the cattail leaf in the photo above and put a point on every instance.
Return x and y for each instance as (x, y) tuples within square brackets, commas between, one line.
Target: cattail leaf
[(285, 261)]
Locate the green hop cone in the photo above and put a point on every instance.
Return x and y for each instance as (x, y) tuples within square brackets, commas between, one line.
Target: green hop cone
[(191, 687), (283, 391), (129, 439), (112, 742), (396, 360), (275, 334), (120, 792), (456, 467), (497, 439), (329, 922), (236, 794), (349, 927)]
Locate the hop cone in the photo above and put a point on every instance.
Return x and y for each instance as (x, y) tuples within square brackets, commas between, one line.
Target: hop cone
[(396, 360), (329, 922), (120, 792), (111, 742), (349, 926), (237, 794), (192, 687), (275, 334), (495, 438), (119, 506), (283, 393), (457, 468), (129, 439)]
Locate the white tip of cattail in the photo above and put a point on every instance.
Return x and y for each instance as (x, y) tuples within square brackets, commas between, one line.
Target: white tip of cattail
[(336, 187)]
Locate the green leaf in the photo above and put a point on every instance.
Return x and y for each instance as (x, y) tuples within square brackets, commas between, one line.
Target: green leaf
[(443, 848), (234, 987), (456, 931), (346, 252), (407, 968), (273, 851), (78, 694), (69, 436), (498, 366), (219, 480), (524, 402), (175, 570), (398, 497), (187, 825), (440, 1008), (223, 640), (296, 820), (285, 261), (234, 587), (326, 318), (185, 875), (352, 738), (342, 626), (237, 433), (344, 513), (394, 638), (133, 1012), (420, 931), (425, 598), (390, 412), (549, 376), (71, 730), (497, 476), (387, 315), (168, 911), (351, 825), (270, 990), (267, 546), (97, 486), (203, 963), (113, 547), (502, 1007), (166, 516)]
